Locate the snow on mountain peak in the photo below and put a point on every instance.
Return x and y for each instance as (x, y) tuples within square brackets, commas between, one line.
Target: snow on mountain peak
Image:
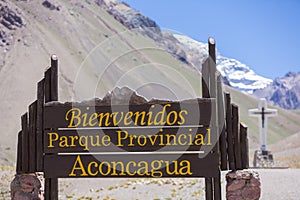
[(239, 75)]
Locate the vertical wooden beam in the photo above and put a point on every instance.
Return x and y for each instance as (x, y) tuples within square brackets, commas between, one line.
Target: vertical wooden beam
[(47, 90), (19, 154), (213, 88), (212, 67), (244, 146), (221, 121), (236, 135), (54, 78), (32, 137), (217, 187), (214, 117), (205, 94), (47, 86), (212, 48), (39, 125), (205, 79), (51, 94), (209, 194), (230, 148), (25, 144)]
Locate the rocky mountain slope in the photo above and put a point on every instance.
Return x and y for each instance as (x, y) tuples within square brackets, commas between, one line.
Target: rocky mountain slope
[(72, 31), (136, 21), (283, 92), (239, 75)]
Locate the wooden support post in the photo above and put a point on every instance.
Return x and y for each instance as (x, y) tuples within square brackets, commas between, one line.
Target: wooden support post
[(209, 193), (212, 67), (51, 94), (205, 79), (25, 144), (47, 87), (19, 154), (39, 125), (221, 121), (209, 90), (244, 146), (205, 94), (213, 74), (54, 78), (236, 135), (230, 149), (212, 48), (32, 137), (217, 187)]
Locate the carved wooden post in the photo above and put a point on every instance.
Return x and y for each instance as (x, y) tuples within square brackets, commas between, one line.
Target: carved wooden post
[(230, 148), (209, 90), (51, 94)]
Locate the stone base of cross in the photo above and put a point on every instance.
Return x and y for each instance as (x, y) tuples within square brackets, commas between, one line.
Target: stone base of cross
[(263, 157)]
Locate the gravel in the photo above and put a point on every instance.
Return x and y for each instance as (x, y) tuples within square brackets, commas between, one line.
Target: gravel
[(277, 184)]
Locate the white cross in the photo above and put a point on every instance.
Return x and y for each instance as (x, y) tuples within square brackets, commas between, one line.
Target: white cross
[(263, 113)]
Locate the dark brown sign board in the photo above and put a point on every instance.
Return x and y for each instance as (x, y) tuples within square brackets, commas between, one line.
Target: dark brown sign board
[(165, 138)]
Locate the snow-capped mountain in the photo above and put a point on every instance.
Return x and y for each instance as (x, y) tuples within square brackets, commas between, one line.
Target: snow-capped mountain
[(283, 92), (239, 75), (184, 48), (193, 53)]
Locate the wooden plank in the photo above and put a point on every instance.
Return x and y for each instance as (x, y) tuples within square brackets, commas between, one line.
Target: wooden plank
[(197, 112), (47, 195), (51, 186), (212, 67), (230, 142), (205, 79), (32, 137), (39, 125), (47, 85), (213, 91), (19, 154), (128, 139), (209, 193), (212, 48), (52, 91), (25, 144), (54, 78), (217, 187), (54, 189), (244, 146), (221, 122), (131, 165), (47, 91), (51, 189), (236, 135), (223, 150)]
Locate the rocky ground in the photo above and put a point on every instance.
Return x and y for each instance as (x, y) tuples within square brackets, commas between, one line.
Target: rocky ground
[(279, 184)]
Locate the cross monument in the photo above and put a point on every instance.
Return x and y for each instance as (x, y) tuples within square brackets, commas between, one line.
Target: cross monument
[(263, 112)]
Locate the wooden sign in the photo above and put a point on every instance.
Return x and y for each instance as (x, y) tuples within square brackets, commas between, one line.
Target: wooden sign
[(135, 138), (142, 140)]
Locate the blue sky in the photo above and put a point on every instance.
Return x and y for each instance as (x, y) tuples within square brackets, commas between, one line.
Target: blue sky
[(264, 34)]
